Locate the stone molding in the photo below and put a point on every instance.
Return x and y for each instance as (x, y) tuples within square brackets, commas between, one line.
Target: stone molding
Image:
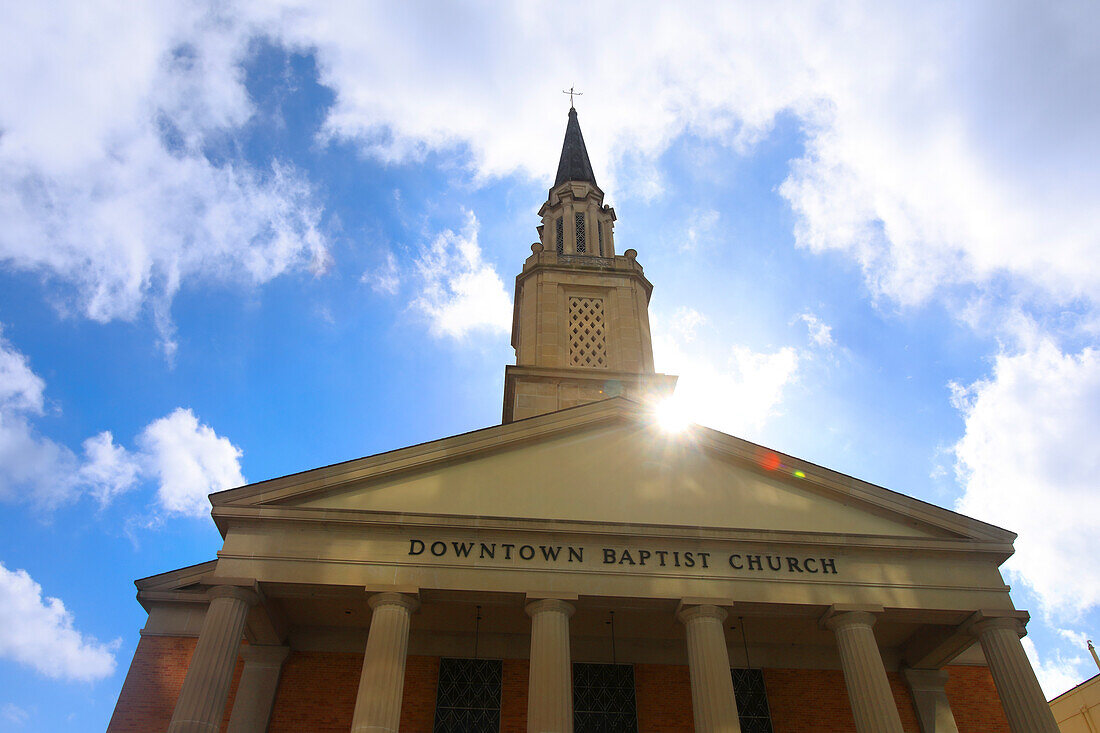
[(407, 602), (245, 595), (550, 605), (691, 613)]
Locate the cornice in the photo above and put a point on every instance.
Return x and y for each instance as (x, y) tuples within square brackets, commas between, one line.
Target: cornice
[(228, 516)]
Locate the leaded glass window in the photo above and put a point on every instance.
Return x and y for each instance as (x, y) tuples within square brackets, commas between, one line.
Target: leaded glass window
[(560, 235), (581, 247), (603, 699), (752, 701), (468, 697)]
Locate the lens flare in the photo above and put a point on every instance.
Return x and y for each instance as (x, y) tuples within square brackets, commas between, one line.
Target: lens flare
[(768, 460), (672, 415)]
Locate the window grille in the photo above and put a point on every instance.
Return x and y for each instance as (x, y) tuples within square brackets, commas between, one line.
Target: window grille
[(599, 233), (581, 247), (561, 235), (603, 699), (752, 701), (587, 342), (468, 697)]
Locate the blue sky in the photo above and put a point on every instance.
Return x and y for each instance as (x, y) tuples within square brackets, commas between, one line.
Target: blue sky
[(251, 240)]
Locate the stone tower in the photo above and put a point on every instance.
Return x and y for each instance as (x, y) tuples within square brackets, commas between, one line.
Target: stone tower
[(580, 326)]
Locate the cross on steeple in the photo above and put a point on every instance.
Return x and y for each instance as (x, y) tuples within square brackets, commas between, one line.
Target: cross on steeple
[(571, 93)]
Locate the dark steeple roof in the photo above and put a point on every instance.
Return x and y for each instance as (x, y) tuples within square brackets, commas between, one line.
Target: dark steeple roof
[(574, 164)]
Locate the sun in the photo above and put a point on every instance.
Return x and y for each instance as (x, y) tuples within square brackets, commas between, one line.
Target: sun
[(672, 415)]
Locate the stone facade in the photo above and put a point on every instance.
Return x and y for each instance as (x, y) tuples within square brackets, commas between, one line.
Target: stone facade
[(577, 532)]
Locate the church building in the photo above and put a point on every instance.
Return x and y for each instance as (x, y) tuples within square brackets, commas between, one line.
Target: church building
[(577, 569)]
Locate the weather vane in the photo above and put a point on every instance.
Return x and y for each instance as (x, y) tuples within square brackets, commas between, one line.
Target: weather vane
[(571, 94)]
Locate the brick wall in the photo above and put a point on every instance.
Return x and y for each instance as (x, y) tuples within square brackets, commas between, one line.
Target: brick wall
[(317, 693), (974, 700), (153, 683), (817, 700), (663, 694), (418, 698), (513, 696)]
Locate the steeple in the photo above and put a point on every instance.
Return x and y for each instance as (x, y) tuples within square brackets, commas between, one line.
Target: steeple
[(574, 164), (580, 325)]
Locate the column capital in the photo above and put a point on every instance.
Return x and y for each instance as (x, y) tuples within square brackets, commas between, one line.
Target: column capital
[(409, 603), (247, 595), (837, 621), (705, 610), (550, 604), (1016, 625)]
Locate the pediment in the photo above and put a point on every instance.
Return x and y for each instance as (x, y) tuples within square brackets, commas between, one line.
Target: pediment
[(607, 463)]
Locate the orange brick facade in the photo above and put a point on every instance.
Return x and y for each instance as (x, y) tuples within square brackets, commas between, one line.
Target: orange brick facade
[(317, 693), (153, 683)]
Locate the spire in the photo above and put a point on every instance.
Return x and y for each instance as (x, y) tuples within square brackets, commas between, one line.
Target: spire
[(574, 164)]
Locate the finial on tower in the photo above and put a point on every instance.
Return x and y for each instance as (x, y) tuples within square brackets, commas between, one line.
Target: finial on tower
[(571, 93)]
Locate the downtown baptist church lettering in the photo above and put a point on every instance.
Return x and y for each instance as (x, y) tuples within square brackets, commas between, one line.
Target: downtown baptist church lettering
[(621, 557)]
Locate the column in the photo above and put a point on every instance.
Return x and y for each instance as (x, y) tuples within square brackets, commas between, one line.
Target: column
[(550, 689), (378, 703), (868, 689), (201, 704), (1023, 700), (712, 699), (930, 701), (256, 689)]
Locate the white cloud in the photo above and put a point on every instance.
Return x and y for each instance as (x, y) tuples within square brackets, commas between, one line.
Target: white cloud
[(32, 467), (38, 632), (385, 279), (933, 157), (1058, 673), (1027, 463), (821, 333), (108, 469), (700, 227), (105, 181), (190, 461), (735, 391), (460, 292), (14, 714)]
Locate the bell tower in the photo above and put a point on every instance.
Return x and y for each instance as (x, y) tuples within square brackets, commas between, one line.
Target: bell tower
[(580, 325)]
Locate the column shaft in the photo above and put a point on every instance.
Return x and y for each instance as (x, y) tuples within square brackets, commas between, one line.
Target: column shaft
[(201, 704), (864, 675), (550, 689), (1022, 698), (712, 698), (256, 690), (378, 703), (930, 701)]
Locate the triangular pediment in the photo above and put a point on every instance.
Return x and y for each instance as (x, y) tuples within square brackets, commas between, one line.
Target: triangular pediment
[(608, 463)]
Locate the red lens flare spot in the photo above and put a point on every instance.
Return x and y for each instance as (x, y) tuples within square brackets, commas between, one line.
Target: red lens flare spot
[(768, 460)]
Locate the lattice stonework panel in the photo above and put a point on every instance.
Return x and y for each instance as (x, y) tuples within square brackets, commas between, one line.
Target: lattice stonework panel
[(582, 246), (603, 699), (468, 697), (587, 333), (752, 701)]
